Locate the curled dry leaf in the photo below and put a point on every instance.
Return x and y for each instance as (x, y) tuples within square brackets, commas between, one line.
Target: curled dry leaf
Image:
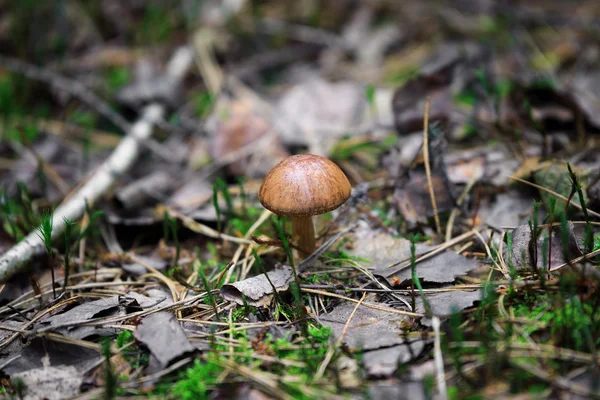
[(85, 311), (257, 290)]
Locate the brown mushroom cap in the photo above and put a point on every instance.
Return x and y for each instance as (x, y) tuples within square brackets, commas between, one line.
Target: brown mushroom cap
[(304, 185)]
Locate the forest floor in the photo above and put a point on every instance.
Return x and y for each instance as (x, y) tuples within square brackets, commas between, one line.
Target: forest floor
[(137, 261)]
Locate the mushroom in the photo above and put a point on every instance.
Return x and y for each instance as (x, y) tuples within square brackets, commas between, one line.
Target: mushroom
[(301, 186)]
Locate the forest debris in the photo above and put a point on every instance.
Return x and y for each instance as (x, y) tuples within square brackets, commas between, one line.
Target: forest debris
[(464, 171), (316, 113), (119, 161), (242, 128), (61, 165), (241, 391), (136, 268), (389, 257), (412, 198), (93, 309), (257, 290), (433, 83), (524, 252), (156, 297), (367, 40), (555, 176), (150, 86), (376, 335), (382, 363), (57, 353), (193, 193), (446, 303), (369, 329), (403, 390), (408, 114), (164, 337), (85, 311), (507, 210), (583, 89), (51, 383), (148, 190)]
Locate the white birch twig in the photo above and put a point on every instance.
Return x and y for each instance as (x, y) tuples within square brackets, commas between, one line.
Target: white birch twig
[(122, 158), (440, 375)]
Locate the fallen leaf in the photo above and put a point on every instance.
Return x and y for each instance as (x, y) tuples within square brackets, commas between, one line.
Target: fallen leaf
[(382, 363), (523, 254), (409, 104), (51, 383), (238, 391), (85, 311), (58, 354), (507, 210), (134, 268), (150, 86), (375, 334), (413, 201), (383, 250), (242, 128), (164, 337), (583, 89), (404, 390), (316, 113), (465, 171), (157, 298), (445, 304), (257, 290), (369, 329), (109, 306), (146, 191)]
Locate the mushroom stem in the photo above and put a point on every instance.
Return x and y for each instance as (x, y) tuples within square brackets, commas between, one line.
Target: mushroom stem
[(303, 233)]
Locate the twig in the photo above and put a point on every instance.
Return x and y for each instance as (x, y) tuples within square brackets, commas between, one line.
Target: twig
[(197, 227), (122, 158), (439, 249), (439, 360), (584, 257), (459, 202), (438, 227), (558, 381), (368, 305)]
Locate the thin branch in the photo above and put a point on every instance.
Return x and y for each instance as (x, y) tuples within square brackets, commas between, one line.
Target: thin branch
[(121, 159), (438, 226), (439, 360)]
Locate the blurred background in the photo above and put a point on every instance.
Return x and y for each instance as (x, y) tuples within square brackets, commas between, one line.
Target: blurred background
[(343, 79)]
